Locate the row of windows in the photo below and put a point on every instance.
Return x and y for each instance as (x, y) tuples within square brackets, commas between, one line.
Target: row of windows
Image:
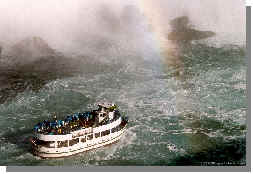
[(76, 140), (90, 137), (104, 133)]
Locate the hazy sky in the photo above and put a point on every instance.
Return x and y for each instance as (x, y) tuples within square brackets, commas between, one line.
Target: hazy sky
[(65, 23)]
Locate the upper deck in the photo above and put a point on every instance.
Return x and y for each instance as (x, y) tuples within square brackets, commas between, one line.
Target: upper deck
[(105, 114)]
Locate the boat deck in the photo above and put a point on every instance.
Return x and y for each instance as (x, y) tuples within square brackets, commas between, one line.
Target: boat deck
[(78, 123)]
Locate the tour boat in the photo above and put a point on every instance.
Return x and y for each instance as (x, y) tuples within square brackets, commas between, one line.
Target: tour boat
[(78, 132)]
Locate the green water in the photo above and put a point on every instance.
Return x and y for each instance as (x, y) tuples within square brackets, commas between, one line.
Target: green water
[(199, 119)]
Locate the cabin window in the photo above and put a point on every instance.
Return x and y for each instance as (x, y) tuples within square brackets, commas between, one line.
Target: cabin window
[(49, 144), (104, 133), (74, 141), (113, 130), (62, 144), (97, 135), (83, 140), (90, 137), (116, 129)]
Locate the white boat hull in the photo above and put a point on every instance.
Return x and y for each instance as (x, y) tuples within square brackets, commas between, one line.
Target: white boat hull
[(79, 147)]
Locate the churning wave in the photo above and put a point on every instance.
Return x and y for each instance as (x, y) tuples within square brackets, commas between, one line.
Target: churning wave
[(201, 116)]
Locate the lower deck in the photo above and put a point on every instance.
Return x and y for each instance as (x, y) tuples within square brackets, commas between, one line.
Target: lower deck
[(77, 145)]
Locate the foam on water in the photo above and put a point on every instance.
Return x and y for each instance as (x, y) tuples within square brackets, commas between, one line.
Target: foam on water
[(168, 117)]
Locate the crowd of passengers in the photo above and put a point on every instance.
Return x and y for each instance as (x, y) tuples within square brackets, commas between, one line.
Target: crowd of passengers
[(74, 122), (71, 123)]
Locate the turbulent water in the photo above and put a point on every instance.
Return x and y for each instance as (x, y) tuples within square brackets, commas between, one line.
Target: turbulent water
[(198, 118)]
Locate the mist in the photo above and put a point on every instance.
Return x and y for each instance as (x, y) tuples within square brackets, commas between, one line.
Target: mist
[(84, 26), (70, 27)]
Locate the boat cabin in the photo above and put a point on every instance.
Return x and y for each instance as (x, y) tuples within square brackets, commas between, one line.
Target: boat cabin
[(106, 111)]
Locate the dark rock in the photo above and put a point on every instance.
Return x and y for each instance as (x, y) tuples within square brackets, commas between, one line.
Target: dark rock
[(31, 48)]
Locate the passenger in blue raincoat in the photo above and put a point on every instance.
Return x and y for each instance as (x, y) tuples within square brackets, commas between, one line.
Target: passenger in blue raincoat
[(36, 128)]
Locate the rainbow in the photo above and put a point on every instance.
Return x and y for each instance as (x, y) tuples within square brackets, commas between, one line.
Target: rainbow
[(158, 26)]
